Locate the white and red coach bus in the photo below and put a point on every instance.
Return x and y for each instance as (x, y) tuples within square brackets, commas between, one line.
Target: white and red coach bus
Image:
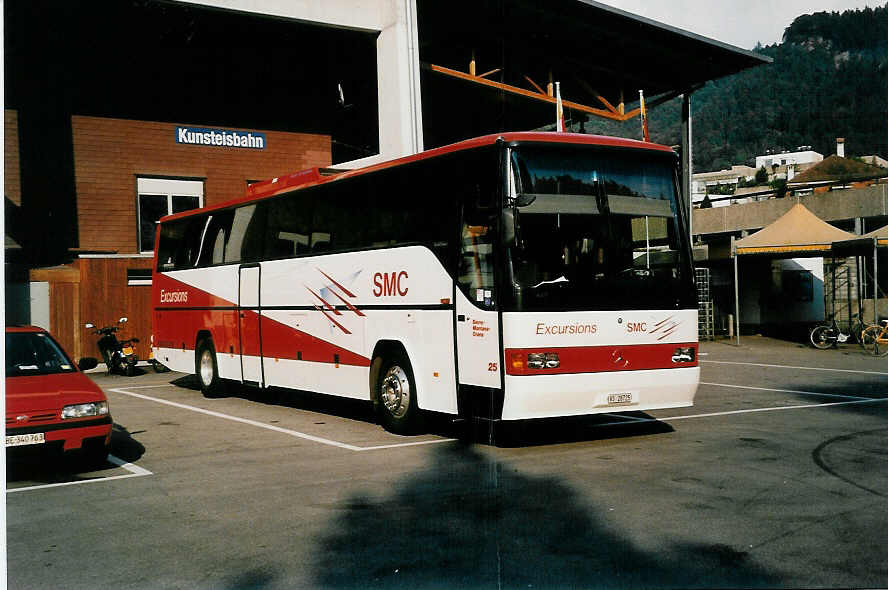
[(513, 276)]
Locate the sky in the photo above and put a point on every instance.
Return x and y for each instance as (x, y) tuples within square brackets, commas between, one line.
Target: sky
[(739, 22)]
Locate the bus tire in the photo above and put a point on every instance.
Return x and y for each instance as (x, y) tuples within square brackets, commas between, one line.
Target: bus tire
[(206, 368), (396, 405)]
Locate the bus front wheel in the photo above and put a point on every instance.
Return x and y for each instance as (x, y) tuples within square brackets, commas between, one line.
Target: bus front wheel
[(396, 396), (206, 368)]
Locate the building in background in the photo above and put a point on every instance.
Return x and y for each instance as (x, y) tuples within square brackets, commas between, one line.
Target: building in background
[(786, 296)]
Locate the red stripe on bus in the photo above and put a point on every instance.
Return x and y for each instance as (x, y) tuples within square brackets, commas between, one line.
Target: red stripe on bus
[(324, 301), (344, 290), (600, 359), (168, 292), (280, 341)]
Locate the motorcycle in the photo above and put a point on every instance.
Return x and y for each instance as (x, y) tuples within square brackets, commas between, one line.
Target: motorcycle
[(119, 355)]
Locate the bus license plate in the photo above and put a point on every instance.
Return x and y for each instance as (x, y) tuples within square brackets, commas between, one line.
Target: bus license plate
[(619, 398), (17, 440)]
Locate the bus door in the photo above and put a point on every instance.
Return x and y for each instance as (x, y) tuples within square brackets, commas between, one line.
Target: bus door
[(477, 321), (249, 312)]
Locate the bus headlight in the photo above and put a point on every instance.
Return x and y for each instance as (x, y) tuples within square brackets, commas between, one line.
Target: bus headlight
[(85, 410), (543, 360), (684, 354)]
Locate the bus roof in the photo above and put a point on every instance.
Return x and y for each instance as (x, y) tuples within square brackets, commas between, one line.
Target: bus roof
[(317, 176)]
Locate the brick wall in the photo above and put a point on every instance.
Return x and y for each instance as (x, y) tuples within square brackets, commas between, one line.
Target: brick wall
[(109, 154), (12, 180)]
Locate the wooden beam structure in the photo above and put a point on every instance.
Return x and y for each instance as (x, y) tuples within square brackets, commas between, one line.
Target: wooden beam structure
[(611, 112)]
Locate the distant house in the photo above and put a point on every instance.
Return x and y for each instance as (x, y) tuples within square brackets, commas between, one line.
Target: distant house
[(875, 161), (836, 172), (703, 182), (796, 158)]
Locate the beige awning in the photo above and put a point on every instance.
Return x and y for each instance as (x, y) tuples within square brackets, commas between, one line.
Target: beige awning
[(880, 235), (797, 232)]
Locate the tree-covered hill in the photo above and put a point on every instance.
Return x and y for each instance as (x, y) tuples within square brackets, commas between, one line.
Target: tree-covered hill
[(829, 79)]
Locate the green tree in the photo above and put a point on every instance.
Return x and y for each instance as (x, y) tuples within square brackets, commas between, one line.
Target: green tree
[(761, 176)]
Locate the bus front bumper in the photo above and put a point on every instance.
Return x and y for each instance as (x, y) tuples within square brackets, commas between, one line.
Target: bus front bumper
[(548, 396)]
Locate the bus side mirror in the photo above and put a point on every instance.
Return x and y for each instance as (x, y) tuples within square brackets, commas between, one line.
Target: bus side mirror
[(524, 199), (509, 227)]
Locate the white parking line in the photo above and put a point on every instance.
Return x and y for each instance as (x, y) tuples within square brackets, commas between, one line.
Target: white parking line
[(747, 411), (294, 433), (785, 390), (135, 471), (794, 367), (625, 419)]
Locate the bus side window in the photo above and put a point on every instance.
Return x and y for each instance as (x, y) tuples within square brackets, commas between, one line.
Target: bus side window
[(288, 233), (179, 243), (213, 248), (246, 232)]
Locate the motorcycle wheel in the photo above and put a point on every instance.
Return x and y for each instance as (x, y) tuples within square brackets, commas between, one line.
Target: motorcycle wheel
[(160, 367), (130, 369)]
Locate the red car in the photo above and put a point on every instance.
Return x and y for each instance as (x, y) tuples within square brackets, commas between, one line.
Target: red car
[(49, 401)]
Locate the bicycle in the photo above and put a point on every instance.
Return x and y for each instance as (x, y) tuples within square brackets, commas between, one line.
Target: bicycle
[(874, 339), (827, 335)]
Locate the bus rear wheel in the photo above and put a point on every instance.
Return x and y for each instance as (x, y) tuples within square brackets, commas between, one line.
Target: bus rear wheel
[(396, 396), (206, 368)]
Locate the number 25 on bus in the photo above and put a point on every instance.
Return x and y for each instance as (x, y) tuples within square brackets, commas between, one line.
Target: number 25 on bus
[(507, 277)]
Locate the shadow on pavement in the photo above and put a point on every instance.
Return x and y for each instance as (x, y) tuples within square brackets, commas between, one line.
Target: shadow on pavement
[(124, 446), (291, 398), (469, 521), (49, 464), (844, 393), (527, 433)]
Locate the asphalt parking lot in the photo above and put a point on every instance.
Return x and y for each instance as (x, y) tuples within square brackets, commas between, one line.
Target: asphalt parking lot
[(777, 477)]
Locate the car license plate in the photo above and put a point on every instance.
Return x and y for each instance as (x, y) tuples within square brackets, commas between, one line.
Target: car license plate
[(127, 350), (17, 440), (619, 398)]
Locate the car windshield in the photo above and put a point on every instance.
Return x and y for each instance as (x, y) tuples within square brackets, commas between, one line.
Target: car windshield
[(34, 353), (597, 229)]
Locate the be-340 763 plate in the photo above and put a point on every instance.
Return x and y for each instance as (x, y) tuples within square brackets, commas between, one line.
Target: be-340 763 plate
[(18, 440)]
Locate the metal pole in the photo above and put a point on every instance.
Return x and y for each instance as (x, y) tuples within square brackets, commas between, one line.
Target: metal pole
[(875, 280), (737, 298), (686, 159)]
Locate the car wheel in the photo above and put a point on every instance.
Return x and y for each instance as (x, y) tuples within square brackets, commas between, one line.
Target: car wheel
[(206, 369), (396, 396)]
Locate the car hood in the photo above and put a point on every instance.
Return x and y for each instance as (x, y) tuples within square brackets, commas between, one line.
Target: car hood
[(49, 392)]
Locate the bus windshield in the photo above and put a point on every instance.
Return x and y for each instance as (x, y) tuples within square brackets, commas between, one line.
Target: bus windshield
[(596, 230)]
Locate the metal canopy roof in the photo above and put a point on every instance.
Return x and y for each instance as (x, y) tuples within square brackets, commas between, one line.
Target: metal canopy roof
[(591, 48)]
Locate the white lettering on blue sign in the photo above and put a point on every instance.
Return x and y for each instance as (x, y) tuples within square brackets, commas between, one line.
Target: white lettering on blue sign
[(220, 137)]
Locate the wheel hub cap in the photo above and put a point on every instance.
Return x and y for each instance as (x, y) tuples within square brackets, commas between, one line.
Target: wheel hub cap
[(206, 368), (396, 392)]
